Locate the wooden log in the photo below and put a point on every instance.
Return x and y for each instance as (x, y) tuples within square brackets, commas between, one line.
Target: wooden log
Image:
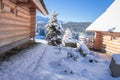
[(12, 45), (23, 15), (111, 42), (23, 4), (13, 39), (12, 17), (112, 49), (9, 3), (6, 27), (12, 33), (12, 5), (111, 34), (98, 39), (9, 21), (109, 52), (0, 6), (16, 10), (110, 46), (112, 39), (23, 10), (6, 8), (26, 8), (33, 21)]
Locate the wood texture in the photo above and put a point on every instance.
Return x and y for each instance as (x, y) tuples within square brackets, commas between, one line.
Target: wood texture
[(12, 45), (33, 21), (6, 27), (17, 22), (98, 40), (13, 39), (0, 6), (15, 25), (40, 6), (109, 44)]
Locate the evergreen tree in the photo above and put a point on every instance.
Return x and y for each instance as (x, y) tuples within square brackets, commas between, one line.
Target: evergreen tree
[(67, 36), (68, 33), (54, 35)]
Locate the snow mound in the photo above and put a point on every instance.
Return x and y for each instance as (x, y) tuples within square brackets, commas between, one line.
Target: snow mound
[(45, 62), (116, 57)]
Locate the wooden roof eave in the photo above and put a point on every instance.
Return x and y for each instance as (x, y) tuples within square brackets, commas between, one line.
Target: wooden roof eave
[(39, 4), (102, 31)]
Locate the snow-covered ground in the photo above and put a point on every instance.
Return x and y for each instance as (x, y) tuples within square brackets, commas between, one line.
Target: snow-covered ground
[(41, 41), (44, 62)]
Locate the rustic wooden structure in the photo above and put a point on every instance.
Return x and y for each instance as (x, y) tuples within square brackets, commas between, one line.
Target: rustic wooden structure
[(17, 21), (107, 30)]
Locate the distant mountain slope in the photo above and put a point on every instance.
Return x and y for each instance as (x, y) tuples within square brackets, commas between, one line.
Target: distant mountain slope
[(77, 26), (74, 26), (45, 20), (42, 19)]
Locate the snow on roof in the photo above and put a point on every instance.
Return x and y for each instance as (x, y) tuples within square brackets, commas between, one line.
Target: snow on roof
[(109, 20), (116, 57)]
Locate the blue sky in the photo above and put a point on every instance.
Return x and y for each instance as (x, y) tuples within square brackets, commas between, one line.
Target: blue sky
[(77, 10)]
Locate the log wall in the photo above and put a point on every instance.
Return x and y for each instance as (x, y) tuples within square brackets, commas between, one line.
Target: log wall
[(32, 21), (107, 42), (16, 24), (98, 40), (111, 42)]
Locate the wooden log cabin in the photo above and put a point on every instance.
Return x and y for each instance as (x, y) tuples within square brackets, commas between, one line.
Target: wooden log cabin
[(17, 21), (107, 30)]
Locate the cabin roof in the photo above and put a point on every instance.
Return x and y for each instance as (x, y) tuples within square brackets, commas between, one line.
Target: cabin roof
[(109, 21), (39, 4)]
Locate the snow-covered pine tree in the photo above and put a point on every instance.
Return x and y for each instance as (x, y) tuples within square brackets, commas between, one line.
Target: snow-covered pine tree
[(55, 30), (68, 39), (67, 36)]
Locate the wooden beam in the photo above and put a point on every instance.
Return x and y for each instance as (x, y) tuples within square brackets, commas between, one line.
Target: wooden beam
[(0, 6), (15, 10), (15, 22), (13, 45), (6, 27), (39, 4), (23, 4), (33, 21), (14, 18), (13, 39), (4, 35), (98, 40)]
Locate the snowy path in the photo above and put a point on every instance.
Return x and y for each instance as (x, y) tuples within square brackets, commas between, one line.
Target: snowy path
[(28, 61), (41, 63)]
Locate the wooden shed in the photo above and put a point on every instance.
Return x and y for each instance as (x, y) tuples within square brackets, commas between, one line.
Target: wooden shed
[(17, 21), (107, 29)]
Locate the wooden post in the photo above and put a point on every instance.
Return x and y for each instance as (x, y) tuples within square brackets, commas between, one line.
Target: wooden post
[(15, 10), (0, 6), (33, 22), (98, 40)]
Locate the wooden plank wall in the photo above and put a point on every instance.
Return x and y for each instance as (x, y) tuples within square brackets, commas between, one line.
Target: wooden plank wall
[(15, 23), (111, 42)]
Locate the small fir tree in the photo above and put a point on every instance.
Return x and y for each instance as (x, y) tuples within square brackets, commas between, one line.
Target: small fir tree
[(67, 37), (55, 30), (68, 33)]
